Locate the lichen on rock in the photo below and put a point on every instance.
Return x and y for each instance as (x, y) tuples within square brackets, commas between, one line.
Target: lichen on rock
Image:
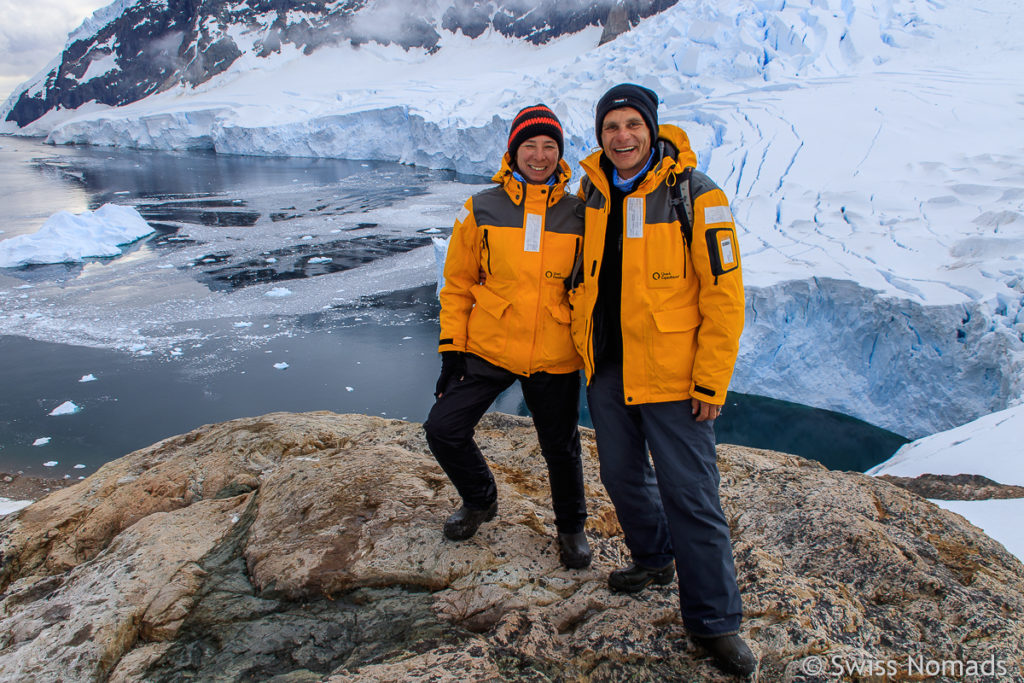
[(309, 547)]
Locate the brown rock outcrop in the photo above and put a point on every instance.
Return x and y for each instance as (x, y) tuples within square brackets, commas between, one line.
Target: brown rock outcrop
[(955, 486), (308, 547)]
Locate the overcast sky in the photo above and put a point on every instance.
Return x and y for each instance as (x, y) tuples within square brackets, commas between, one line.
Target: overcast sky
[(33, 32)]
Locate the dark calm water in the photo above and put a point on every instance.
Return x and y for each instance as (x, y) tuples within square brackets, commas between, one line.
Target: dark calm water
[(337, 364), (377, 357)]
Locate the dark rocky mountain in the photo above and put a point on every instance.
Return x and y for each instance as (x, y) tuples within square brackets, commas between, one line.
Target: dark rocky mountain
[(152, 45)]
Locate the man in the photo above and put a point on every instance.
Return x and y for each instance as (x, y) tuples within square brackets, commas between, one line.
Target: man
[(657, 317)]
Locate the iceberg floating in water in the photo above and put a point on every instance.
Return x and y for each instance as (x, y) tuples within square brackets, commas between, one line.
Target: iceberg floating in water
[(68, 238), (65, 408)]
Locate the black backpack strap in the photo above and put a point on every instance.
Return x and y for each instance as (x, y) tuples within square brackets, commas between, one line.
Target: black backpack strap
[(586, 187), (682, 201)]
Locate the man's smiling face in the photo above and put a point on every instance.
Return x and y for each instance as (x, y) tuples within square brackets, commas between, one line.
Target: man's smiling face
[(626, 140)]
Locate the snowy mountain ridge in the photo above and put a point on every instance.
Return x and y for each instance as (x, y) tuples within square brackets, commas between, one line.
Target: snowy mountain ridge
[(132, 49)]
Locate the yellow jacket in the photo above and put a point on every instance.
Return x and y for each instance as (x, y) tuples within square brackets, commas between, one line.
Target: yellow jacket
[(504, 297), (681, 323)]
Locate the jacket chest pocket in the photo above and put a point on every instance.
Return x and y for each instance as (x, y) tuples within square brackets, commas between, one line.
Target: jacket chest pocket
[(560, 253), (503, 253), (664, 256)]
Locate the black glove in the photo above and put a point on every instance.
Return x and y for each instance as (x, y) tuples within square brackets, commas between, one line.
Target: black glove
[(453, 366)]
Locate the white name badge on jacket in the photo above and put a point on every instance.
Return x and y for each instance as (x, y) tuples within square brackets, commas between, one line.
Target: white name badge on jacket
[(635, 217), (531, 242)]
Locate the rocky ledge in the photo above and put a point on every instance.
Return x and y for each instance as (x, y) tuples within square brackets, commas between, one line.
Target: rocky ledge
[(301, 547)]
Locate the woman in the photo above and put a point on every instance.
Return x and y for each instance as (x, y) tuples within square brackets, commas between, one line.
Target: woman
[(505, 317)]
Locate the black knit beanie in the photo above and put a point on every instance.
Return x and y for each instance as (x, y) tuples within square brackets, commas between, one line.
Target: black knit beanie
[(638, 97), (533, 121)]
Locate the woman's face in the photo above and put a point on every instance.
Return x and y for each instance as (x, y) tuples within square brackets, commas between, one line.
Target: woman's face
[(537, 158)]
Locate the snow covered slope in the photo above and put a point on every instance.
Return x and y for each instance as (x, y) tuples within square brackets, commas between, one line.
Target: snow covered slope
[(989, 446), (872, 149)]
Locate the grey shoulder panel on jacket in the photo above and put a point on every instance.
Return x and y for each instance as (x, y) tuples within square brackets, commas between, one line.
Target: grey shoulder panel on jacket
[(566, 216), (700, 184), (494, 207)]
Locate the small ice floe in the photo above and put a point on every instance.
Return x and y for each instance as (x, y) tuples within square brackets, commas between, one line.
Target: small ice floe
[(240, 325), (280, 366), (165, 266), (69, 238), (270, 260), (320, 259), (50, 463), (406, 338), (350, 389), (79, 466), (41, 441), (135, 348), (306, 237), (335, 231), (65, 408), (24, 287), (431, 231), (279, 292), (88, 378), (176, 351)]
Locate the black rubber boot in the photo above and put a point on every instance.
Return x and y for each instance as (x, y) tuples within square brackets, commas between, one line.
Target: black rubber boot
[(465, 521), (574, 550), (635, 578), (730, 652)]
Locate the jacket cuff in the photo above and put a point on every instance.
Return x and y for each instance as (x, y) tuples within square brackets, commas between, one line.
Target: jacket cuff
[(707, 394), (449, 344)]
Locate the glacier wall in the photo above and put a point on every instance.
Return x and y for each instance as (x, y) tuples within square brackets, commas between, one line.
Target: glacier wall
[(909, 368), (390, 134)]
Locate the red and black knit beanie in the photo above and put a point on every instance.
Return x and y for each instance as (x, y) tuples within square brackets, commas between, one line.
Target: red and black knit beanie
[(533, 121)]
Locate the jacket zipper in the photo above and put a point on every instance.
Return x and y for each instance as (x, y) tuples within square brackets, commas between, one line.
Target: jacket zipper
[(487, 247)]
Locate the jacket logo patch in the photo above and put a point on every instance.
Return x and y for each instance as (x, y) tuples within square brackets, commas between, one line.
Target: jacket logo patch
[(463, 215), (664, 276), (717, 214), (553, 275)]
